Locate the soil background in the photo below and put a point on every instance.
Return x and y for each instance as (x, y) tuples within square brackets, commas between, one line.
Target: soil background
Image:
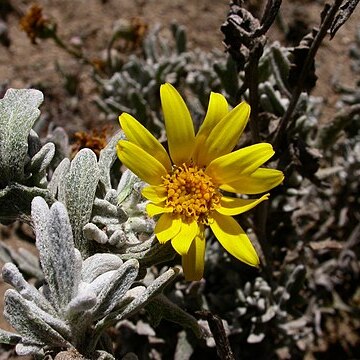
[(90, 23)]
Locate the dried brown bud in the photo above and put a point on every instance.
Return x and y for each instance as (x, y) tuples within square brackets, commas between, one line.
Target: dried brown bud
[(96, 140), (36, 25)]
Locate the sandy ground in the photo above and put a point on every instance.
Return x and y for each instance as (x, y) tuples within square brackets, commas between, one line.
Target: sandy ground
[(92, 21)]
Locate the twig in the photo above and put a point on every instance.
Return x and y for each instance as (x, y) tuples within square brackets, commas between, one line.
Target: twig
[(252, 74), (216, 326), (70, 51), (270, 13), (260, 219), (286, 119)]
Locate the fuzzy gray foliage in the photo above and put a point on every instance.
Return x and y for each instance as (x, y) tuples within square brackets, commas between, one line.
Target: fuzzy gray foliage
[(79, 298), (18, 112), (23, 162), (118, 217), (135, 87), (79, 191)]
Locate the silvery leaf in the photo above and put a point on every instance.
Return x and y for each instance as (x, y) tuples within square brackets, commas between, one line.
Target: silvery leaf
[(150, 252), (130, 295), (81, 183), (92, 232), (116, 288), (56, 185), (98, 264), (34, 143), (42, 159), (21, 317), (7, 337), (104, 208), (55, 243), (81, 303), (12, 276), (18, 112), (101, 282), (23, 350), (126, 185), (153, 289), (107, 158), (111, 197), (118, 238)]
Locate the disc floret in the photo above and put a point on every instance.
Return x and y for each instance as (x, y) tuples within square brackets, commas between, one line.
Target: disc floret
[(191, 193)]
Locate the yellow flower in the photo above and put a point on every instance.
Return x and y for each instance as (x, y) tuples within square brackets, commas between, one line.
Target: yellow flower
[(186, 188)]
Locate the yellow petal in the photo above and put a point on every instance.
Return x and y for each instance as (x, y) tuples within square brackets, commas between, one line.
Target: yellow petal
[(193, 261), (225, 135), (182, 241), (260, 181), (155, 194), (234, 206), (167, 227), (229, 167), (179, 126), (217, 109), (233, 238), (139, 135), (156, 209), (142, 164)]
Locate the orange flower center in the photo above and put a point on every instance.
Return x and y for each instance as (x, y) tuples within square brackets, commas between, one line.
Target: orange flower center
[(191, 193)]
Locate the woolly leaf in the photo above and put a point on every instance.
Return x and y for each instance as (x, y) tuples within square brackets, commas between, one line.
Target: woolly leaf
[(104, 208), (7, 337), (34, 143), (126, 185), (92, 232), (81, 183), (18, 112), (101, 282), (56, 185), (152, 290), (12, 276), (107, 158), (56, 247), (23, 350), (116, 288), (42, 159), (82, 302), (22, 317), (98, 264)]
